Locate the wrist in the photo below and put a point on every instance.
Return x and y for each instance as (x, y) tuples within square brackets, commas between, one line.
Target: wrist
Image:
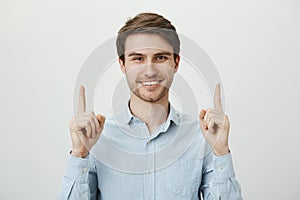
[(221, 152), (79, 153)]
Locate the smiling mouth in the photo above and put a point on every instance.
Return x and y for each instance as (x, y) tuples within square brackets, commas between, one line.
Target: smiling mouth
[(150, 84)]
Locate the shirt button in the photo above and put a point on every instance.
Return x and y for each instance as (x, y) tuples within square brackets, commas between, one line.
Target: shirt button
[(219, 168), (84, 170), (85, 195)]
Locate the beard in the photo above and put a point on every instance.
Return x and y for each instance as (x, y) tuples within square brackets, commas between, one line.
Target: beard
[(151, 96), (146, 93)]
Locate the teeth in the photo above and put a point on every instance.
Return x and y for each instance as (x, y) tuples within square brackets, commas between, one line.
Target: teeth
[(150, 83)]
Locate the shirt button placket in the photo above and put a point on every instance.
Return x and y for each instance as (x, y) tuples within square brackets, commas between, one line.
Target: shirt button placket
[(149, 174)]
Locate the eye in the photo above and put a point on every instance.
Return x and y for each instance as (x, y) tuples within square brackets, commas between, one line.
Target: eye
[(161, 58), (138, 58)]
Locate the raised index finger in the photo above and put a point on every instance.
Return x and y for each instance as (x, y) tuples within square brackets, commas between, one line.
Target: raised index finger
[(81, 100), (217, 99)]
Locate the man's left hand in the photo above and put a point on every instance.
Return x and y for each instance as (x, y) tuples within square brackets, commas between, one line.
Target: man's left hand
[(215, 125)]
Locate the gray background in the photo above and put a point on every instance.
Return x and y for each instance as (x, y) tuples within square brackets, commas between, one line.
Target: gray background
[(254, 44)]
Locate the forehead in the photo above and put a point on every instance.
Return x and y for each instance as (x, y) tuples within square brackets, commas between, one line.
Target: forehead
[(146, 42)]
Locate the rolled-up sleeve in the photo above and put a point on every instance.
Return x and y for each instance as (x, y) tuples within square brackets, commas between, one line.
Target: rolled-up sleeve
[(218, 179), (80, 179)]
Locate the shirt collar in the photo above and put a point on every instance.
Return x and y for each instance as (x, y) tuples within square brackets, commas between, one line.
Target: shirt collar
[(126, 116)]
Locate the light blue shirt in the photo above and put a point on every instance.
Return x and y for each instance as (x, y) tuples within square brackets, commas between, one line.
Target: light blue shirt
[(127, 163)]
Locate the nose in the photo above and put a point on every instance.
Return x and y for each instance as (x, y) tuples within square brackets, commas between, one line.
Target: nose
[(150, 69)]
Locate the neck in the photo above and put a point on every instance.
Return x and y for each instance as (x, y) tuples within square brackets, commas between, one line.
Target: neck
[(152, 113)]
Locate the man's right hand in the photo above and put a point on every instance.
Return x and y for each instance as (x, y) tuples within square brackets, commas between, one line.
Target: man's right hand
[(85, 128)]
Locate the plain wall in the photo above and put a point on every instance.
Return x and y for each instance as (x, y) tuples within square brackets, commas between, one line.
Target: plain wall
[(255, 46)]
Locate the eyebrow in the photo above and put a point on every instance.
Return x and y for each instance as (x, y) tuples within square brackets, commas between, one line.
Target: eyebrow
[(135, 54), (160, 53), (164, 53)]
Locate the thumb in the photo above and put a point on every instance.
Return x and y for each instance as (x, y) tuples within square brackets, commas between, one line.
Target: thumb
[(203, 124), (101, 119)]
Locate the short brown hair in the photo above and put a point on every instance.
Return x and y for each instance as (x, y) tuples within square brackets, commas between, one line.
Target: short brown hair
[(148, 23)]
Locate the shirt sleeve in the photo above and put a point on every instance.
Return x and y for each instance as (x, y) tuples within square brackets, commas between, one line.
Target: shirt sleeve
[(80, 179), (218, 179)]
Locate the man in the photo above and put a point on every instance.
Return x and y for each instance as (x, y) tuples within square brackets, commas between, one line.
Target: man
[(148, 48)]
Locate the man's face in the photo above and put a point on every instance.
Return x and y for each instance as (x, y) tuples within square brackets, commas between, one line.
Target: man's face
[(149, 66)]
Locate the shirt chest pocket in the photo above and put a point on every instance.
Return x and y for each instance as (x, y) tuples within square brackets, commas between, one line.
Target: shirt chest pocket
[(183, 177)]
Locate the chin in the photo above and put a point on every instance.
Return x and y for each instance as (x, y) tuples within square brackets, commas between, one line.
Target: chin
[(151, 100), (151, 96)]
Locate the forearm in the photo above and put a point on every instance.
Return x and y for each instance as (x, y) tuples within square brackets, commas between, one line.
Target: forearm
[(219, 180)]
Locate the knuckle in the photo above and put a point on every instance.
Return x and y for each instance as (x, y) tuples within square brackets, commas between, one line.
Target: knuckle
[(210, 110), (98, 125), (92, 125), (73, 122), (209, 114)]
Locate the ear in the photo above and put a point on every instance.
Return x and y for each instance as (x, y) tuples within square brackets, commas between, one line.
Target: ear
[(176, 63), (122, 66)]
